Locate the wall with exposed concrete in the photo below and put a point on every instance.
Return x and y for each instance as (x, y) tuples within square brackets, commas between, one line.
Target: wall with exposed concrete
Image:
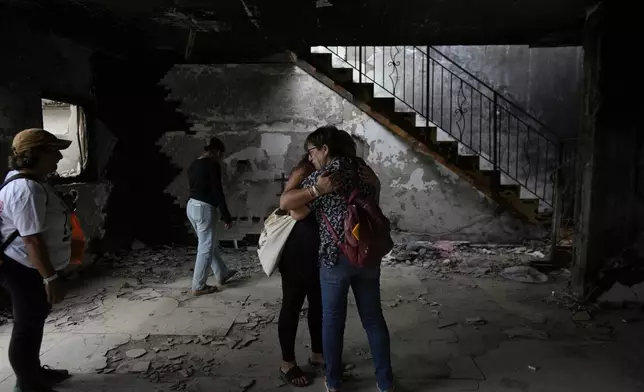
[(264, 113), (37, 66)]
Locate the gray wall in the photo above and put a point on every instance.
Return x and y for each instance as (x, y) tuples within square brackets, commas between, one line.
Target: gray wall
[(546, 81), (264, 112)]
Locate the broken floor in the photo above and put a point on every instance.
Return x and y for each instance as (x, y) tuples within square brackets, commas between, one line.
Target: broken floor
[(132, 326)]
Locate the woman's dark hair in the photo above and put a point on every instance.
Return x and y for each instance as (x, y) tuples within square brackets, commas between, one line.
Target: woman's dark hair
[(25, 160), (215, 144), (305, 163), (339, 142), (348, 144)]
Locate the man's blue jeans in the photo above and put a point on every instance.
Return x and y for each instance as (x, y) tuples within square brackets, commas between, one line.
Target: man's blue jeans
[(365, 283), (203, 218)]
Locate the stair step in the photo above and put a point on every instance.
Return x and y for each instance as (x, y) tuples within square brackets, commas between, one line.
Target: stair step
[(341, 76), (468, 162), (361, 91), (322, 60), (426, 135), (448, 149), (383, 105), (407, 118), (510, 190)]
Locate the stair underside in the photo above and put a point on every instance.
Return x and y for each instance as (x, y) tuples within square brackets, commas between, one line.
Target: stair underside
[(427, 138)]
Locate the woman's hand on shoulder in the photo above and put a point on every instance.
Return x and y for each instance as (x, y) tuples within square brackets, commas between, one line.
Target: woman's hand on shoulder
[(326, 183)]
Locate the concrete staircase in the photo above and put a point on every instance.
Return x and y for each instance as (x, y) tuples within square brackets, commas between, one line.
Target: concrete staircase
[(469, 130)]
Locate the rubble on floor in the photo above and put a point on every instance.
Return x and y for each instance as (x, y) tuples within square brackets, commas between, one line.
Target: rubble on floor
[(78, 308), (165, 264), (5, 316), (518, 263), (457, 320)]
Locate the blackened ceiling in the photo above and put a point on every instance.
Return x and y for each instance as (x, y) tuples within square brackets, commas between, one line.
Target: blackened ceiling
[(212, 31)]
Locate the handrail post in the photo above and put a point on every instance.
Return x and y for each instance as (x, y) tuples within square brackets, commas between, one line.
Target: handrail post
[(427, 76), (495, 132), (360, 64), (558, 200)]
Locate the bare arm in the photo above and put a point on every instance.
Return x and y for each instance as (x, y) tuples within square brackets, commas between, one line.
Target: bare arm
[(300, 213), (295, 179), (295, 199), (39, 255)]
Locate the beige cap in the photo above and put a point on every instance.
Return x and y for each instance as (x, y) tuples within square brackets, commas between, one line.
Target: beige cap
[(36, 137)]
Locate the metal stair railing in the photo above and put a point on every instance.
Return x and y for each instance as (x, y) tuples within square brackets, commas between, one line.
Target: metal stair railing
[(426, 82)]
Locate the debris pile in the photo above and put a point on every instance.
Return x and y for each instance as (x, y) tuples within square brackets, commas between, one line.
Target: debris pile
[(166, 264), (78, 308), (168, 358), (5, 316), (446, 257)]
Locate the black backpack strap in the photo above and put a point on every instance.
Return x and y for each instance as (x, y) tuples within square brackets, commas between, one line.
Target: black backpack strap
[(15, 234)]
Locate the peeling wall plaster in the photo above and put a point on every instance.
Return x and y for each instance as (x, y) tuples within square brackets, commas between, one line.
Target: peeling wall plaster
[(263, 114), (416, 182)]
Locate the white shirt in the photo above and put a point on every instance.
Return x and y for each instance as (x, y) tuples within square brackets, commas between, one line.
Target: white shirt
[(35, 208)]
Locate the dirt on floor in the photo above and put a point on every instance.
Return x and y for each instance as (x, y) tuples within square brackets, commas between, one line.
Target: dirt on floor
[(461, 316)]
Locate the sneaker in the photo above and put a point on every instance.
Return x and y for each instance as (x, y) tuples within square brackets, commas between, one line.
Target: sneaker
[(205, 290), (51, 376), (231, 274)]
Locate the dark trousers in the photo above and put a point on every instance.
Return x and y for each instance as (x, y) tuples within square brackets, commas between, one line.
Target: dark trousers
[(295, 288), (30, 310), (300, 279)]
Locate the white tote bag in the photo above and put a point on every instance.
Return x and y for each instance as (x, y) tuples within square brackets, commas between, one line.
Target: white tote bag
[(277, 228)]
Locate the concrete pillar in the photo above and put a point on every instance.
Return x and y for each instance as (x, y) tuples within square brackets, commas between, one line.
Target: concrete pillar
[(609, 209)]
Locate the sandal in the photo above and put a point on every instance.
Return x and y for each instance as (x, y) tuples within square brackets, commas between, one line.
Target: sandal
[(51, 376), (293, 374), (319, 367)]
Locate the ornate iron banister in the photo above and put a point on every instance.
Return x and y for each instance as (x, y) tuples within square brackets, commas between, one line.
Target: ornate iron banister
[(516, 106), (505, 136)]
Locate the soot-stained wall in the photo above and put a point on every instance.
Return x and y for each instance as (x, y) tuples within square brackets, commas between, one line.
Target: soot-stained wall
[(263, 114)]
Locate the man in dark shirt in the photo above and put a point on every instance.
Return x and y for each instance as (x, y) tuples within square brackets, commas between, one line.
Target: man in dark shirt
[(206, 195)]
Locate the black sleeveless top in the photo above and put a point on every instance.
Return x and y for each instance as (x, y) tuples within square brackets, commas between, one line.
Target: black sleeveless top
[(300, 254)]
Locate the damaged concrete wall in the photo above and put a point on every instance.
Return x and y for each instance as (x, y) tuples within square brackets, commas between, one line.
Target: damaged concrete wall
[(264, 113), (37, 66)]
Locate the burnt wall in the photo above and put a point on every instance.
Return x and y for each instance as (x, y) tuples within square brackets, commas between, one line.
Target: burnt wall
[(122, 194), (610, 207), (263, 113), (133, 105), (34, 66)]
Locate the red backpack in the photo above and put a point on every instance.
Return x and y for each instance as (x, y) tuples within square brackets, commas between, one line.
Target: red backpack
[(367, 231)]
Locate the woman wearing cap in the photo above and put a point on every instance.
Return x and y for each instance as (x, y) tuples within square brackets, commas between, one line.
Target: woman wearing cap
[(36, 244), (206, 194)]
